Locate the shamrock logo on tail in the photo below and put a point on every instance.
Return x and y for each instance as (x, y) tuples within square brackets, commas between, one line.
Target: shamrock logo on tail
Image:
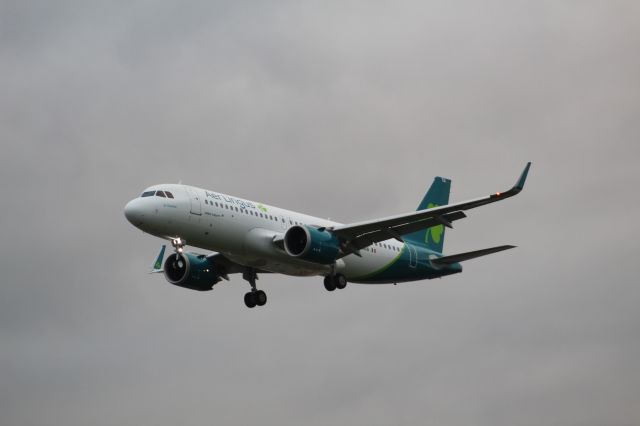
[(435, 232)]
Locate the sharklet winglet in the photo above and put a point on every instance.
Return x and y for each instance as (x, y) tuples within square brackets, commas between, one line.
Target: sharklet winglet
[(156, 268)]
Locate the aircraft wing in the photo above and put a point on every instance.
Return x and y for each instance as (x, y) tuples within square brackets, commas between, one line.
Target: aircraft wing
[(361, 234), (224, 265), (227, 266)]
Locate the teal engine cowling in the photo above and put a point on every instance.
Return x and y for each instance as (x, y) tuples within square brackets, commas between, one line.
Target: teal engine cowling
[(311, 244), (190, 271)]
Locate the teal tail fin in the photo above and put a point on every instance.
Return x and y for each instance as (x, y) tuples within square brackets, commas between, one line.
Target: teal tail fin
[(437, 195)]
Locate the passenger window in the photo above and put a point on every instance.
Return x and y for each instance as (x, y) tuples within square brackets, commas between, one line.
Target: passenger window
[(169, 195), (160, 194), (148, 193)]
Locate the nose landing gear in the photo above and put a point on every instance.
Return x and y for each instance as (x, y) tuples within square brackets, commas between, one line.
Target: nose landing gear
[(178, 244), (255, 297)]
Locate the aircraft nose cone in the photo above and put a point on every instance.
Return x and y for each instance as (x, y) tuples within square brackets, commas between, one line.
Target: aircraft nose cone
[(133, 212)]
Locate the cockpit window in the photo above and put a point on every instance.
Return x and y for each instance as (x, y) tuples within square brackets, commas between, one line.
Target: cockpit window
[(160, 194), (148, 193), (169, 195)]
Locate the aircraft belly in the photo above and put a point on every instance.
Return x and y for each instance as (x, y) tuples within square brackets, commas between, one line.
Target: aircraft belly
[(360, 267), (382, 269)]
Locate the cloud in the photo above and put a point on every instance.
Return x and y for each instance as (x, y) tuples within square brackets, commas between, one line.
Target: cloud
[(343, 110)]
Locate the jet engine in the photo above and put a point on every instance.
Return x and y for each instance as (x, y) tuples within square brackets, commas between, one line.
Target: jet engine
[(311, 244), (190, 271)]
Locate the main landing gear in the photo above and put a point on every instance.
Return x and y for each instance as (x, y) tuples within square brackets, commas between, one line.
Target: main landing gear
[(331, 282), (255, 297)]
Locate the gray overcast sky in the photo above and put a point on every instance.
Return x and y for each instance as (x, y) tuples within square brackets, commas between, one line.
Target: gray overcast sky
[(344, 110)]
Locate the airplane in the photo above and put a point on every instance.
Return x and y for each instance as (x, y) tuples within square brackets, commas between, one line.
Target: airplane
[(251, 238)]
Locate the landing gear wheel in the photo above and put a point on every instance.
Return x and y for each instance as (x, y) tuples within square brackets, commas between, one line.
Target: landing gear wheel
[(251, 300), (255, 297), (261, 297), (340, 281), (329, 284)]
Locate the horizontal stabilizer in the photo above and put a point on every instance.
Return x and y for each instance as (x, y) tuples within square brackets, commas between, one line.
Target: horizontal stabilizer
[(447, 260)]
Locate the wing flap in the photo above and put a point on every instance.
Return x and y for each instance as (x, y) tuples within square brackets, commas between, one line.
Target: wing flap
[(461, 257), (396, 232)]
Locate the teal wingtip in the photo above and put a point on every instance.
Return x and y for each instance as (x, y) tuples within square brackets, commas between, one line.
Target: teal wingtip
[(158, 262), (523, 177)]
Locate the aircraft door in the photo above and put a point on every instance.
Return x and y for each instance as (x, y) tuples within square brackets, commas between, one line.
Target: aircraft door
[(194, 199), (413, 256)]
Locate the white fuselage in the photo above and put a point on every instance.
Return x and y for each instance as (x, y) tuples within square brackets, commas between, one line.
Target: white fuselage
[(244, 231)]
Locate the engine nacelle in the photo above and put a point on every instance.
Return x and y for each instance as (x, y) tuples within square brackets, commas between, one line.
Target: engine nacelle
[(311, 244), (190, 271)]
